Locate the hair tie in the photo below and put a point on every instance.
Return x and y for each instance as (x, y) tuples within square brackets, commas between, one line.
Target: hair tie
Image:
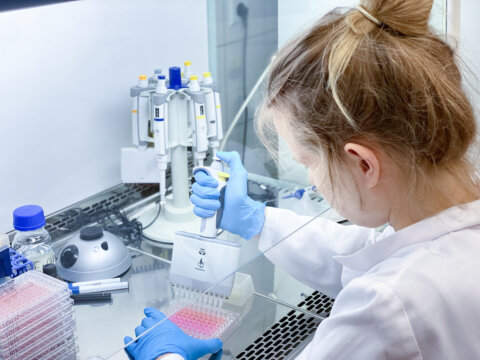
[(368, 15)]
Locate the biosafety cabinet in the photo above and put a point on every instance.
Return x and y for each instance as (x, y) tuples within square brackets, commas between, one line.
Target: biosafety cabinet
[(109, 107)]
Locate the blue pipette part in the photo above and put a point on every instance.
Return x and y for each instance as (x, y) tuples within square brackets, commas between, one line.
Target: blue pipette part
[(298, 194), (175, 77)]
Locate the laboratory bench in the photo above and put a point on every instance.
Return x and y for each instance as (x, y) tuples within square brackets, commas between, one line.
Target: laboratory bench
[(278, 322), (270, 328)]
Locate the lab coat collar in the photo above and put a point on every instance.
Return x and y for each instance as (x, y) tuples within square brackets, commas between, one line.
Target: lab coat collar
[(430, 229)]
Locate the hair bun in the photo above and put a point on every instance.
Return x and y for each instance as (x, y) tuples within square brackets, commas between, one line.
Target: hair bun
[(408, 17)]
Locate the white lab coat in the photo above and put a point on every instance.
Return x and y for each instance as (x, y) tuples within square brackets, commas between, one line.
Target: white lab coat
[(411, 294)]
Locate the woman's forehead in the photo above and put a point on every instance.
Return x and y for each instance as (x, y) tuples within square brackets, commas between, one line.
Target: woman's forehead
[(289, 133)]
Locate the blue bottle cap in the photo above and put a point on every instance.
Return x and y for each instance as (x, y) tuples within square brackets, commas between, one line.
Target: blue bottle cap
[(175, 76), (161, 77), (28, 217)]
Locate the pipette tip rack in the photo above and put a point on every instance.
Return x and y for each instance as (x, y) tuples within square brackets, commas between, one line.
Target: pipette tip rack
[(20, 264)]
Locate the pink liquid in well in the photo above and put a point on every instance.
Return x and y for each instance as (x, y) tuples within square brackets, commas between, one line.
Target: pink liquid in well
[(35, 318), (20, 298), (198, 324)]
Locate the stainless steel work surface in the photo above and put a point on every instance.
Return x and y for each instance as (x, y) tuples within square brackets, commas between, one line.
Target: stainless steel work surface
[(101, 327)]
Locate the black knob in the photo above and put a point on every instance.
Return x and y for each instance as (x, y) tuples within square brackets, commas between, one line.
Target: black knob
[(69, 256), (91, 233), (50, 269), (104, 245)]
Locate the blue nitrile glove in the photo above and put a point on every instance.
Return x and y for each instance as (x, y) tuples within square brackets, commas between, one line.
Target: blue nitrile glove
[(241, 215), (168, 338)]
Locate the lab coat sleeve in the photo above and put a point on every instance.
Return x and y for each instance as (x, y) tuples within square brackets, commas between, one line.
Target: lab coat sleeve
[(368, 321), (307, 254), (171, 357)]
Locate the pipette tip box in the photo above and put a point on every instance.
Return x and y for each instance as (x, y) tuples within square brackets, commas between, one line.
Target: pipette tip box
[(36, 319)]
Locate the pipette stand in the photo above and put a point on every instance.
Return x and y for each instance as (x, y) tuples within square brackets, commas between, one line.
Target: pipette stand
[(181, 116), (177, 210)]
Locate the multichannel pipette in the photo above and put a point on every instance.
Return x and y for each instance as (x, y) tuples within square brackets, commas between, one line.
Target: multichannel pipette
[(209, 226), (200, 261)]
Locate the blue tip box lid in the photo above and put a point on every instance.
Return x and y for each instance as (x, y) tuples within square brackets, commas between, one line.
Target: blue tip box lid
[(28, 217)]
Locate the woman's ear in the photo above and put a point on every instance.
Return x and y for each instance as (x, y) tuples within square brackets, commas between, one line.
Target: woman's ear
[(365, 164)]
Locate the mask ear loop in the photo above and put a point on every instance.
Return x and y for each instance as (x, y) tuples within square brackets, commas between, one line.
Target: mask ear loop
[(369, 16)]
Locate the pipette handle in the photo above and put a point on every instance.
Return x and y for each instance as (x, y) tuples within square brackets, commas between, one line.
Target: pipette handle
[(209, 226), (219, 214)]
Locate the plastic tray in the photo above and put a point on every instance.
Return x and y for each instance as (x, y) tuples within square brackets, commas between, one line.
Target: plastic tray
[(39, 337), (69, 352), (28, 317), (53, 351), (62, 352), (66, 342), (52, 310), (61, 338), (36, 331), (202, 321), (21, 298)]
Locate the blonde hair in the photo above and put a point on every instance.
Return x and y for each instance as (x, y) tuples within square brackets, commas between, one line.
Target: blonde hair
[(394, 83)]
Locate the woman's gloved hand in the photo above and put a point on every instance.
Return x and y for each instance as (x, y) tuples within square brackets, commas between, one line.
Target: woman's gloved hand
[(241, 215), (168, 338)]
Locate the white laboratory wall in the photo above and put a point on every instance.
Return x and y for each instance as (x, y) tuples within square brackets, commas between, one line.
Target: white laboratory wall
[(294, 15), (65, 73)]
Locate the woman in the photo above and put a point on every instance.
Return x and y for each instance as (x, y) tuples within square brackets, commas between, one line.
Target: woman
[(371, 102)]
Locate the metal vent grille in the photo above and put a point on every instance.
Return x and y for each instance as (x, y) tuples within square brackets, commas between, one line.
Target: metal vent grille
[(92, 209), (286, 338), (98, 206)]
